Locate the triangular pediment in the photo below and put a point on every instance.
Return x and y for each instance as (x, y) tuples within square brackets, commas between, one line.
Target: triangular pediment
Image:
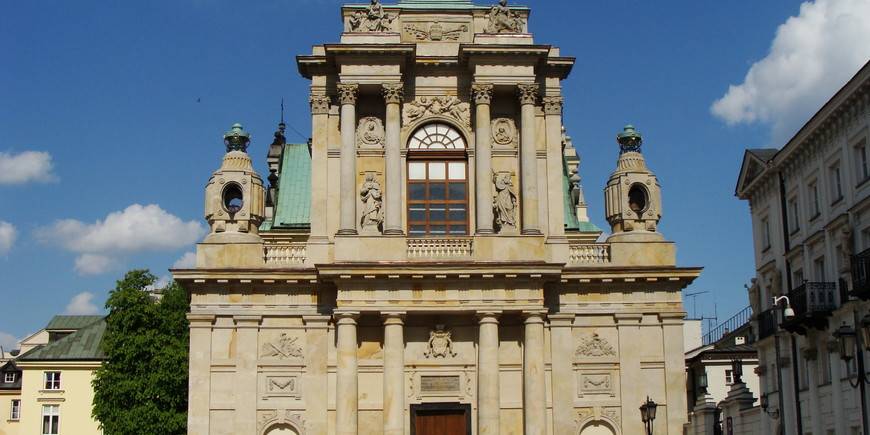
[(755, 162)]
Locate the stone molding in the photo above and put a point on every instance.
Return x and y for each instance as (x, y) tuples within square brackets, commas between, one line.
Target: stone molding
[(528, 93), (394, 93), (553, 105), (347, 93), (268, 419), (319, 104), (482, 93)]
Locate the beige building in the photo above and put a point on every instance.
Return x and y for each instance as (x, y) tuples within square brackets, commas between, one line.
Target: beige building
[(810, 204), (425, 265)]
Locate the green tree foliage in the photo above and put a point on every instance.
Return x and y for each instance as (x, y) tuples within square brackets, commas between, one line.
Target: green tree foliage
[(141, 387)]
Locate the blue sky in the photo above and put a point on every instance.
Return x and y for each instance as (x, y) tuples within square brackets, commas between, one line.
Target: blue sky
[(112, 115)]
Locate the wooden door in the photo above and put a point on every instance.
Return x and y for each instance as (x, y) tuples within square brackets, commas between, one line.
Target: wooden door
[(441, 422)]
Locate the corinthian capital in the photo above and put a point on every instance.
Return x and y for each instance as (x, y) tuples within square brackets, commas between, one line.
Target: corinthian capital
[(394, 93), (482, 93), (528, 93), (347, 93), (319, 104), (553, 105)]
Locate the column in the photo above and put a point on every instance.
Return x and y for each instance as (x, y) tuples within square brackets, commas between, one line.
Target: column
[(347, 93), (528, 94), (394, 374), (245, 388), (319, 170), (836, 387), (555, 200), (394, 93), (346, 394), (199, 382), (534, 383), (630, 374), (488, 401), (482, 93), (562, 343)]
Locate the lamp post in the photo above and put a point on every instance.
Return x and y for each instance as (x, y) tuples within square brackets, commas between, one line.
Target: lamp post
[(852, 345), (703, 383), (648, 414)]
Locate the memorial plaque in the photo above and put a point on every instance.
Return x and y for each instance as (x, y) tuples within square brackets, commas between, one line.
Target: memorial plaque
[(439, 384)]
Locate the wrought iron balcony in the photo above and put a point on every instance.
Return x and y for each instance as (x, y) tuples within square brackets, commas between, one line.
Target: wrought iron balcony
[(861, 275), (813, 303), (767, 323)]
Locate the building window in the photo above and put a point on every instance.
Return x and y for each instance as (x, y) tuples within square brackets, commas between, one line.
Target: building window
[(15, 412), (437, 182), (863, 170), (815, 210), (729, 377), (50, 419), (765, 234), (797, 278), (819, 269), (793, 215), (836, 182), (9, 378), (824, 367), (52, 380)]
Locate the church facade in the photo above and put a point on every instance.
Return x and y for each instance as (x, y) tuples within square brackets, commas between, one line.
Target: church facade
[(425, 264)]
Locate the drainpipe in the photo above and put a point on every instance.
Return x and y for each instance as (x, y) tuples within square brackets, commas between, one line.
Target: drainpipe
[(794, 355)]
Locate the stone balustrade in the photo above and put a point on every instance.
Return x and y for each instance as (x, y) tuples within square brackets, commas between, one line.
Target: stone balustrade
[(589, 253), (285, 253), (440, 248)]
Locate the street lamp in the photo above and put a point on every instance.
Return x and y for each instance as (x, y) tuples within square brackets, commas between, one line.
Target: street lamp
[(852, 344), (702, 384), (648, 414)]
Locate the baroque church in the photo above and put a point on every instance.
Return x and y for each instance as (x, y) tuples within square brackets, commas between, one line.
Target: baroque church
[(425, 264)]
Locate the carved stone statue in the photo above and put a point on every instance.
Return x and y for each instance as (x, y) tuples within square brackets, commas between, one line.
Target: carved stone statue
[(372, 199), (375, 19), (503, 20), (370, 133), (505, 202)]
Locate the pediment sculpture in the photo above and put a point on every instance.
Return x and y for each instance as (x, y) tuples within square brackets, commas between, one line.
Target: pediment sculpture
[(595, 347), (450, 107), (370, 133), (284, 347), (373, 19), (503, 20), (440, 343), (436, 32)]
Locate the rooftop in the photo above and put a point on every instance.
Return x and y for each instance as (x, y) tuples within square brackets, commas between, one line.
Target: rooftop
[(82, 345)]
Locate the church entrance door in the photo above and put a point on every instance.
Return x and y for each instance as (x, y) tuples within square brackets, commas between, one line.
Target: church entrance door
[(441, 419)]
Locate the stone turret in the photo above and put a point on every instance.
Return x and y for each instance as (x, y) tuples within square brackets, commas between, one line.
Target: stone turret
[(633, 196), (234, 196)]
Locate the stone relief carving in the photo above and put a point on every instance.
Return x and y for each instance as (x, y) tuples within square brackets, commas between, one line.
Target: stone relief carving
[(374, 19), (450, 107), (613, 414), (583, 415), (504, 132), (370, 133), (282, 385), (319, 104), (267, 419), (436, 32), (505, 202), (284, 347), (372, 198), (596, 383), (503, 20), (594, 346), (440, 343)]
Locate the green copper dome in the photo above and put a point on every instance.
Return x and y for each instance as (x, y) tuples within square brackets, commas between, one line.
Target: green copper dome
[(629, 139), (237, 139)]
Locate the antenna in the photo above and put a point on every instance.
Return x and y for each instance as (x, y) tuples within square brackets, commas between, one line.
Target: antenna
[(282, 110), (694, 297)]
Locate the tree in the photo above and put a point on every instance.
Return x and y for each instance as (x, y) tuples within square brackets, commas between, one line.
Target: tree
[(142, 385)]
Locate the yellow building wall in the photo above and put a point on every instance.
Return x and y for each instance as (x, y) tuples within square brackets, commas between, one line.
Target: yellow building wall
[(74, 398), (7, 426)]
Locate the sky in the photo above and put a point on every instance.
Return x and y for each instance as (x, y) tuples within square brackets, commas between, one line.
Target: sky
[(112, 116)]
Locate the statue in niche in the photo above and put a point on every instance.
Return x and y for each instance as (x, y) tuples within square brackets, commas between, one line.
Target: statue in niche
[(503, 20), (372, 199), (505, 202), (375, 19), (370, 133)]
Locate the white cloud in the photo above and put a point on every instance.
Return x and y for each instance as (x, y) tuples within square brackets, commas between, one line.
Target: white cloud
[(812, 56), (160, 284), (135, 229), (8, 341), (8, 234), (82, 304), (187, 261), (25, 167)]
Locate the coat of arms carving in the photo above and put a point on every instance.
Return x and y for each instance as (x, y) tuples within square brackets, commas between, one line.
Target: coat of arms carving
[(440, 343), (436, 32), (594, 346), (284, 347)]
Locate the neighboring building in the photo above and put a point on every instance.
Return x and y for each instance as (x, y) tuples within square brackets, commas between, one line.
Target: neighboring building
[(423, 265), (52, 393), (810, 204)]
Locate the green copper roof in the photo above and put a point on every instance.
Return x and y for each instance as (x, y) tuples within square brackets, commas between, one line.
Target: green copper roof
[(72, 322), (571, 222), (293, 210), (82, 345)]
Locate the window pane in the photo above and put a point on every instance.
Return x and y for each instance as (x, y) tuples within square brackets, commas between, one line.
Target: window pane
[(457, 170), (416, 171), (417, 191), (459, 230), (417, 214), (437, 213), (417, 230), (437, 171), (437, 229), (457, 191), (437, 192), (458, 214)]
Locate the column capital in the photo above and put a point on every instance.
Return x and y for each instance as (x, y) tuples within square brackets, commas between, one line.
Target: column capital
[(394, 317), (319, 104), (201, 320), (528, 93), (346, 318), (563, 320), (488, 316), (482, 92), (534, 316), (247, 321), (347, 93), (553, 105), (394, 93)]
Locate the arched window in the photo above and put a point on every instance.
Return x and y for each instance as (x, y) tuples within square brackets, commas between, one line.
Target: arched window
[(437, 182)]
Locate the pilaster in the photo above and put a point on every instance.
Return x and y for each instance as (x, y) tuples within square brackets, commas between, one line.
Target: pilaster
[(394, 94), (319, 169), (247, 329), (199, 381), (347, 393), (347, 96), (561, 345), (316, 374), (528, 95), (482, 93), (534, 382), (555, 203), (394, 374)]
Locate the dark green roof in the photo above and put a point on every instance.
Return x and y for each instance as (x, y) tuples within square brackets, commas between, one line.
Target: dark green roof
[(72, 322), (570, 215), (82, 345), (293, 210)]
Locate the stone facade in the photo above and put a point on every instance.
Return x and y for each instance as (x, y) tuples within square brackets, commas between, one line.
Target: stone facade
[(428, 252)]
